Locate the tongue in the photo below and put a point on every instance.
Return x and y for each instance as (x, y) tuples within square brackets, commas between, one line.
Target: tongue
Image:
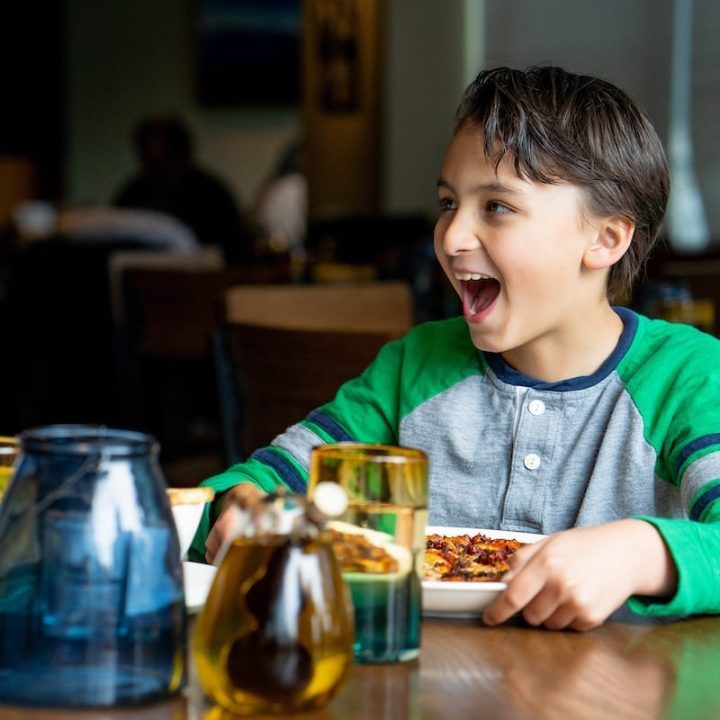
[(478, 295)]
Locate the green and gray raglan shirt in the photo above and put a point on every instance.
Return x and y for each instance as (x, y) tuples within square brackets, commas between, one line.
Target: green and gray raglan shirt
[(639, 437)]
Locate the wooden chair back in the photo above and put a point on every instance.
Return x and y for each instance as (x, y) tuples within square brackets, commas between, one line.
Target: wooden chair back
[(287, 349), (367, 306), (163, 349), (172, 312), (284, 373)]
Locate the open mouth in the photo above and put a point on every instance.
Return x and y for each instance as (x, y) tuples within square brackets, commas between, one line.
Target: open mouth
[(479, 292)]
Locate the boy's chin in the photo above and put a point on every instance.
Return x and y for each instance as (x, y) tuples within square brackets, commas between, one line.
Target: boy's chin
[(487, 344)]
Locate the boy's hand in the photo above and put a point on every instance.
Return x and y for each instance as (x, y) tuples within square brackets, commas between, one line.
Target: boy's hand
[(242, 495), (577, 578)]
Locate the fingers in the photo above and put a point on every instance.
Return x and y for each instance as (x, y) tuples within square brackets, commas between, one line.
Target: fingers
[(517, 594), (223, 529), (522, 557), (547, 595), (542, 602), (570, 616), (562, 618), (243, 496), (564, 580), (212, 544), (522, 587)]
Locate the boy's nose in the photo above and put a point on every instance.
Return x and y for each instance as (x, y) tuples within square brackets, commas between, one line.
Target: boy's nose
[(460, 236)]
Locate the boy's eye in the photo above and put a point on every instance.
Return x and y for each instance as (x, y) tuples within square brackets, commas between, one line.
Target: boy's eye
[(445, 204), (497, 208)]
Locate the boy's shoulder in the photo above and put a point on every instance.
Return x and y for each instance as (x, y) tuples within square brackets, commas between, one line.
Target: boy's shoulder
[(669, 349), (440, 352), (447, 340), (673, 338), (452, 329)]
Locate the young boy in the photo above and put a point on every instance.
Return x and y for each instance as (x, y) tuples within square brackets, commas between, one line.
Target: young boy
[(546, 409)]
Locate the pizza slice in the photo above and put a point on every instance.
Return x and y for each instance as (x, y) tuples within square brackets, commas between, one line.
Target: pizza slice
[(465, 558)]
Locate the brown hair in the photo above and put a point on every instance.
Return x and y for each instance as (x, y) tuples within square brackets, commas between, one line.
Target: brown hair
[(558, 127)]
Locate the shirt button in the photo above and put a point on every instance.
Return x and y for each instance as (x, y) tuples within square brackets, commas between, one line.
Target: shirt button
[(536, 407), (532, 461)]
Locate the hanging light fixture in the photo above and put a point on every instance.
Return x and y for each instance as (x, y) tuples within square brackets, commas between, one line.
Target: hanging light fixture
[(686, 223)]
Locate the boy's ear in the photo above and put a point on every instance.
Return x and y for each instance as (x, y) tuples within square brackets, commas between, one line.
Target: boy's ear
[(613, 238)]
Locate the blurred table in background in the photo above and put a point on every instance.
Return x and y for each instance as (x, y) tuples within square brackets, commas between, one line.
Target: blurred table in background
[(681, 288)]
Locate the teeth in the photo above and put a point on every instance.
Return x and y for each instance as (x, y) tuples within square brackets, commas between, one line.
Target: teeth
[(471, 276)]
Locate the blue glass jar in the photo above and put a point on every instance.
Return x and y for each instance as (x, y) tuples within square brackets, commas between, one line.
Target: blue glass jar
[(92, 610)]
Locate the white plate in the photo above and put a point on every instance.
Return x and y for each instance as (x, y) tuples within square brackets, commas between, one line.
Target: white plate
[(465, 599), (198, 578)]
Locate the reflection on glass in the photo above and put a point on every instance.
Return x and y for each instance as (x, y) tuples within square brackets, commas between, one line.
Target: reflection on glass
[(379, 542), (91, 595)]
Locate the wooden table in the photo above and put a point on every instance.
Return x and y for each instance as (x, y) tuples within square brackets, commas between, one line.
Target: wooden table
[(626, 669)]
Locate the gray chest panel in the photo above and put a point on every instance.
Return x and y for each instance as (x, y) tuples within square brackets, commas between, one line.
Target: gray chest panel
[(530, 460)]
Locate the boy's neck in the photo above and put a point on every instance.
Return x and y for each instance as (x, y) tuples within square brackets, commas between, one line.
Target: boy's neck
[(579, 350)]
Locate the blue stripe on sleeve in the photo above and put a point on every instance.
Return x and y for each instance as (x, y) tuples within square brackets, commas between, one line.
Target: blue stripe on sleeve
[(704, 501), (330, 426), (694, 446), (286, 470)]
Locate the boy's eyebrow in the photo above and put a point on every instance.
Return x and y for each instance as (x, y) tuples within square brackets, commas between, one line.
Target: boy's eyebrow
[(491, 187)]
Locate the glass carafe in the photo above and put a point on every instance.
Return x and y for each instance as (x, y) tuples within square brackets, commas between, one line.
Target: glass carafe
[(92, 607), (275, 634)]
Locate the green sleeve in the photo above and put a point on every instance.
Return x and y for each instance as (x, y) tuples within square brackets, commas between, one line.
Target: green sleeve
[(365, 409), (675, 383), (429, 359), (695, 549), (252, 471)]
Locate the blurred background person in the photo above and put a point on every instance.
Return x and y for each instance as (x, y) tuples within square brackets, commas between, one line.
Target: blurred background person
[(281, 208), (169, 181)]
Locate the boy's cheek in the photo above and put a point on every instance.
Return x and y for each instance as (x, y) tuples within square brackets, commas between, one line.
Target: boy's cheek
[(451, 278)]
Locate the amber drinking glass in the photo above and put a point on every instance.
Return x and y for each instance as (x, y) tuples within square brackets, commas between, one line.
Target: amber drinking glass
[(9, 451), (379, 542)]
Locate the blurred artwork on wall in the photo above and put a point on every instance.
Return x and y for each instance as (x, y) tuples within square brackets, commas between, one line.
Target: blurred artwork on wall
[(342, 83), (249, 52), (338, 55)]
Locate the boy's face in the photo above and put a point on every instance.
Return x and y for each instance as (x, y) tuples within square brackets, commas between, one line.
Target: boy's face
[(512, 249)]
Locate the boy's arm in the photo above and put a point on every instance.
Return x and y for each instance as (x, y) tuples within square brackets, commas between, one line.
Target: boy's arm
[(695, 549), (578, 577), (662, 566), (365, 409), (676, 389)]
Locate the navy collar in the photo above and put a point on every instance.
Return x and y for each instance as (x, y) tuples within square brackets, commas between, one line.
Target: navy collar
[(509, 375)]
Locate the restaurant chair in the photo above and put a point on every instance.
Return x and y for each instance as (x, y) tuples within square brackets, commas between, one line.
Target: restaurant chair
[(165, 320), (285, 350), (275, 376), (203, 259), (331, 272), (378, 306)]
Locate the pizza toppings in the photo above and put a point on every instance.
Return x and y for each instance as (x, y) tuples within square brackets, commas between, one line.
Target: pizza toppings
[(459, 558), (356, 554)]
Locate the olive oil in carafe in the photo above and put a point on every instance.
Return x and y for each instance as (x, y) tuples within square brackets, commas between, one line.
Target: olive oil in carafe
[(276, 631)]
